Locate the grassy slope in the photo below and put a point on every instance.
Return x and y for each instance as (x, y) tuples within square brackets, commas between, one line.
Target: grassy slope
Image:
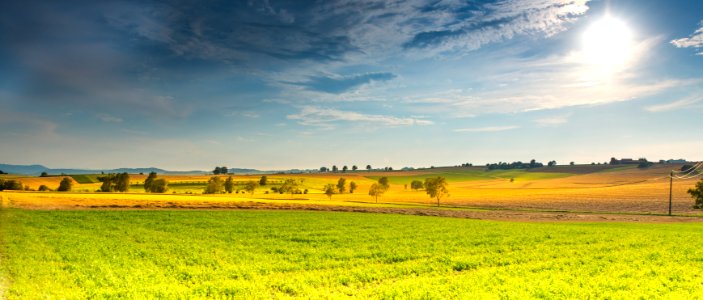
[(264, 254)]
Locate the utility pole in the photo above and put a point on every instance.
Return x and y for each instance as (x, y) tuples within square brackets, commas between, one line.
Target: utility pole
[(671, 187)]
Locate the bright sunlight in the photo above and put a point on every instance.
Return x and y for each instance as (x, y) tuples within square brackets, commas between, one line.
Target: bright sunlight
[(607, 43)]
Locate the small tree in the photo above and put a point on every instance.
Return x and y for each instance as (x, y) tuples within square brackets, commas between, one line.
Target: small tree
[(263, 181), (383, 181), (65, 185), (344, 169), (251, 186), (697, 194), (229, 184), (436, 188), (329, 190), (43, 174), (44, 188), (376, 190), (149, 181), (417, 185), (159, 186), (352, 187), (214, 186), (341, 185), (354, 168), (368, 167), (335, 169), (122, 183)]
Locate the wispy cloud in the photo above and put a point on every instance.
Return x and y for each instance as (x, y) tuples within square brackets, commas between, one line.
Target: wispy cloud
[(311, 115), (109, 118), (487, 129), (339, 84), (682, 103), (695, 40), (552, 121)]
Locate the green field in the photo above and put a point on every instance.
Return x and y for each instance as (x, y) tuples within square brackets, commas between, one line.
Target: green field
[(279, 254), (83, 179)]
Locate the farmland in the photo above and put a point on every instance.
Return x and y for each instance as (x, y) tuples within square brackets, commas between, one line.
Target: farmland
[(563, 232), (601, 189), (280, 254)]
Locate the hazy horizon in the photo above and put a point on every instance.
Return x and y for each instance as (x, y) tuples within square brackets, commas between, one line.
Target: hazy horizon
[(275, 85)]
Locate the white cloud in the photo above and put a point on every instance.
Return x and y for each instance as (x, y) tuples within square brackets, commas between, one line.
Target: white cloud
[(311, 115), (109, 118), (487, 129), (552, 121), (675, 105), (695, 40)]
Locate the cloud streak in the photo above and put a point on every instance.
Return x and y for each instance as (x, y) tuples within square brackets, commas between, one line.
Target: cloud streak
[(695, 40), (317, 116), (487, 129), (679, 104)]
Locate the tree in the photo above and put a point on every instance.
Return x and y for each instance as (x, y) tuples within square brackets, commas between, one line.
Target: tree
[(344, 169), (114, 182), (341, 185), (383, 181), (149, 181), (697, 194), (251, 186), (376, 190), (552, 163), (417, 185), (214, 186), (220, 170), (436, 188), (159, 186), (352, 187), (329, 190), (122, 183), (354, 168), (44, 188), (368, 167), (44, 174), (324, 169), (264, 180), (65, 185), (335, 169), (229, 185), (572, 163), (1, 172), (290, 186)]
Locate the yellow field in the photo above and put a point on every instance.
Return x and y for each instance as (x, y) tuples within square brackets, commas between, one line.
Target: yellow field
[(625, 189)]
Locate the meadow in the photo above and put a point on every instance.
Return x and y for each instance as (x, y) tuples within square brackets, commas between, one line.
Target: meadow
[(108, 254)]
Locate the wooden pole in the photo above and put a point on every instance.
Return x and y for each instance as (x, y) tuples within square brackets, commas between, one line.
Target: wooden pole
[(671, 187)]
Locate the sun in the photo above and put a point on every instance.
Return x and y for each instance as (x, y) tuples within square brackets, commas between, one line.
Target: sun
[(607, 43)]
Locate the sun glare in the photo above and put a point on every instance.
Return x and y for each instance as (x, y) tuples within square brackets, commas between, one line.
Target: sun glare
[(607, 43)]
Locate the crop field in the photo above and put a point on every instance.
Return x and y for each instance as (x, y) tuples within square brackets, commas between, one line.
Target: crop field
[(586, 188), (280, 254)]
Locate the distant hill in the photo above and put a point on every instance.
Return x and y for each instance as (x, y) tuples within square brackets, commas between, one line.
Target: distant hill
[(38, 169)]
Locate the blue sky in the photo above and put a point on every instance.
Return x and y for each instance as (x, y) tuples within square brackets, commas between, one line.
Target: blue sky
[(296, 84)]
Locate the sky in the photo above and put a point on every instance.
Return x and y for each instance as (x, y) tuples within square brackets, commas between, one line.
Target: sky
[(189, 85)]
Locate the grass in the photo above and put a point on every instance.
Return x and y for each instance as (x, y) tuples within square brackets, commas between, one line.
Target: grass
[(84, 179), (280, 254)]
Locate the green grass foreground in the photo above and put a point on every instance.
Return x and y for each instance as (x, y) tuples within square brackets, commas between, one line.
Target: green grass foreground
[(279, 254)]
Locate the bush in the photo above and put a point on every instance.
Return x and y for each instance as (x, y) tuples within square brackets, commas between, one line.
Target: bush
[(697, 194), (44, 188), (11, 185), (65, 185)]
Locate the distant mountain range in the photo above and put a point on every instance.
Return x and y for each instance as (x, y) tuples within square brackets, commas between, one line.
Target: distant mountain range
[(38, 169)]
